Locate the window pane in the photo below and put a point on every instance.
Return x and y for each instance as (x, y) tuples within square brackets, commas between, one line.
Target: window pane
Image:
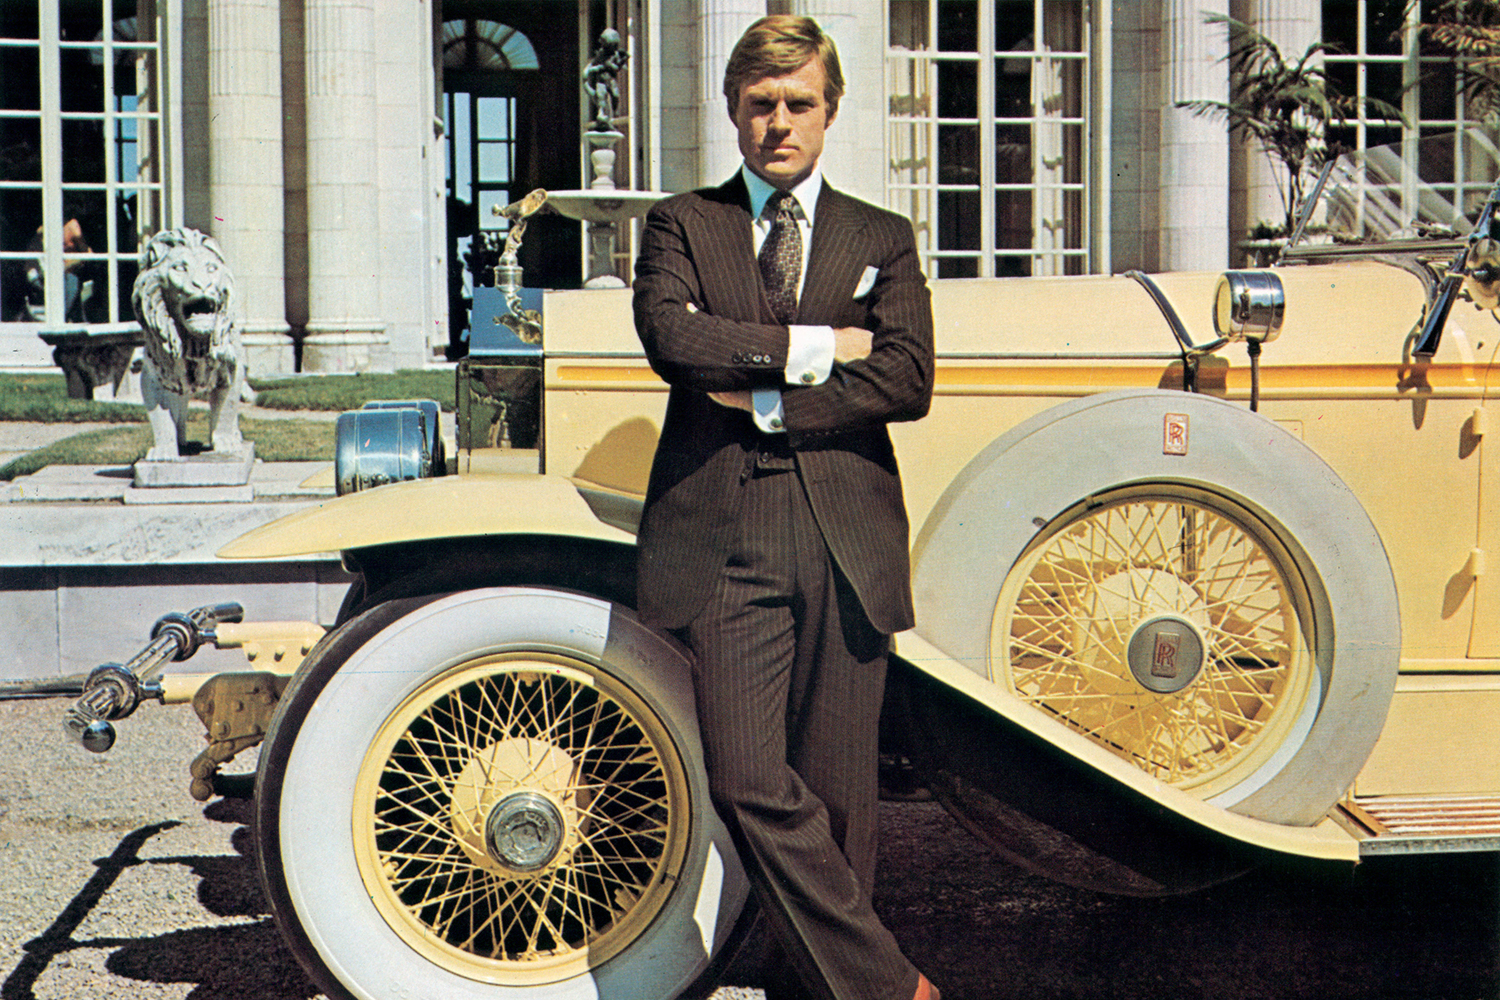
[(958, 220), (958, 89), (1341, 24), (1009, 266), (1013, 88), (83, 151), (82, 20), (459, 130), (957, 267), (21, 149), (1383, 81), (909, 24), (20, 78), (20, 231), (1013, 229), (1014, 21), (958, 154), (128, 219), (1013, 154), (18, 20), (126, 269), (82, 81), (1343, 77), (1439, 90), (494, 162), (494, 118), (958, 26), (1385, 21), (88, 209), (127, 143)]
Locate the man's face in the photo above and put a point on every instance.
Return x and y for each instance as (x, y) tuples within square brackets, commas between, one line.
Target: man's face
[(781, 121)]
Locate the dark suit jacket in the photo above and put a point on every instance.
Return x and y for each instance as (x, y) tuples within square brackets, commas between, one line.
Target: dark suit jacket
[(703, 317)]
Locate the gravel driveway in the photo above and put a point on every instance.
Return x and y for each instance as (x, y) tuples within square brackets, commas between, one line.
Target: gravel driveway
[(115, 883)]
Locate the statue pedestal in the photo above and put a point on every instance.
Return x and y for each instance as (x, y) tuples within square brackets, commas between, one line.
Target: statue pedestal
[(210, 469)]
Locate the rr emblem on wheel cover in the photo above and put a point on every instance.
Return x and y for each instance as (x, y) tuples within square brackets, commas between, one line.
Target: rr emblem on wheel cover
[(1165, 653)]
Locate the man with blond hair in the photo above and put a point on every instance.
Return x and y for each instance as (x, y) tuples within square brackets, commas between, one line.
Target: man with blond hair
[(793, 323)]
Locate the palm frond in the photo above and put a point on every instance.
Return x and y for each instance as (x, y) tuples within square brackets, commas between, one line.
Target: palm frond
[(1284, 105)]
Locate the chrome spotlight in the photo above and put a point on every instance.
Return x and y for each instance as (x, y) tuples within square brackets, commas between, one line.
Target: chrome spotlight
[(1249, 305)]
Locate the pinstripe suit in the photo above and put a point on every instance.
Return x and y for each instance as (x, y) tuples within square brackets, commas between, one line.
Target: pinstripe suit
[(782, 560)]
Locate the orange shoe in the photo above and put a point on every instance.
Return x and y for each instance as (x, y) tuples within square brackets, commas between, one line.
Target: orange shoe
[(925, 990)]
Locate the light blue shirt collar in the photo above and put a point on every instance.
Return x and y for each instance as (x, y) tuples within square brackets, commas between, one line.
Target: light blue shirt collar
[(806, 192)]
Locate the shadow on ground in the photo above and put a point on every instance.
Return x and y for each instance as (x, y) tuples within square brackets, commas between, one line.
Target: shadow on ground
[(1388, 930), (244, 961)]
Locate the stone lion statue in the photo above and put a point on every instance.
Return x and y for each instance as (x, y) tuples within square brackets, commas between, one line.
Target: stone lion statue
[(184, 299)]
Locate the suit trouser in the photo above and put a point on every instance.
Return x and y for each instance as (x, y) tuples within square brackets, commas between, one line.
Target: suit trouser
[(789, 678)]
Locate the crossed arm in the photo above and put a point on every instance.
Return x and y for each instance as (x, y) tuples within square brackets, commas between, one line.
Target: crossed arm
[(882, 369)]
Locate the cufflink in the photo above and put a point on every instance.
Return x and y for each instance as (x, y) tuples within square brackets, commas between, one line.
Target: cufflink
[(776, 423), (808, 378)]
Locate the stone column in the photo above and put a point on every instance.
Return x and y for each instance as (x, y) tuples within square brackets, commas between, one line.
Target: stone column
[(1293, 25), (1194, 163), (720, 25), (245, 170), (344, 331), (854, 157)]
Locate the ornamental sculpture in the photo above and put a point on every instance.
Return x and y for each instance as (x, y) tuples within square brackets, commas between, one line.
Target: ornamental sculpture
[(599, 79), (184, 300)]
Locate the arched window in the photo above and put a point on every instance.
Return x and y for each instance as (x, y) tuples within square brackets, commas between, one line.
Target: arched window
[(472, 43)]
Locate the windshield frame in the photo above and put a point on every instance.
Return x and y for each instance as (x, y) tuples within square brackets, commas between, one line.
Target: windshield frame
[(1417, 197)]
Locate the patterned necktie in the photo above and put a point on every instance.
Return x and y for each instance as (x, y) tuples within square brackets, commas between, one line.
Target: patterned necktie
[(780, 258)]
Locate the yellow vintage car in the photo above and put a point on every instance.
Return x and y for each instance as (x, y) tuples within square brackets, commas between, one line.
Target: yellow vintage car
[(1200, 574)]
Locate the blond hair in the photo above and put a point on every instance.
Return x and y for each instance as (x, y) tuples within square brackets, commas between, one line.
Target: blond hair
[(777, 45)]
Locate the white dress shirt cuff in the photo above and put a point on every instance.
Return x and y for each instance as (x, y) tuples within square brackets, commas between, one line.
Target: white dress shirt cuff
[(765, 408), (809, 354)]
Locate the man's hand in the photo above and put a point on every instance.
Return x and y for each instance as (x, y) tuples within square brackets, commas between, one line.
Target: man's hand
[(850, 343), (734, 399)]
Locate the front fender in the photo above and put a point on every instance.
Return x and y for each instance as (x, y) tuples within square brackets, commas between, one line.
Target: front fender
[(427, 509)]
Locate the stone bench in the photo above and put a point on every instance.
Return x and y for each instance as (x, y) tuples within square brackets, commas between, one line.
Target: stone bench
[(99, 361)]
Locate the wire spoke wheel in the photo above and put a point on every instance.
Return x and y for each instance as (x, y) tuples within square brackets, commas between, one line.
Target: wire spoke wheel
[(514, 817), (1166, 624), (1222, 615), (495, 793)]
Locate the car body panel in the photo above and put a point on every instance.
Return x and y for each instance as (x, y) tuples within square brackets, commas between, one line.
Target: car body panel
[(1324, 841), (448, 507), (1336, 378)]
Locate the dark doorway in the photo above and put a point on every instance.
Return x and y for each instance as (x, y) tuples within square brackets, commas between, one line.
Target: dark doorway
[(510, 108)]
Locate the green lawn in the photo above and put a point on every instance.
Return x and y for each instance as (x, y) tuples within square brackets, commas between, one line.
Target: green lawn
[(275, 441), (349, 392), (43, 398)]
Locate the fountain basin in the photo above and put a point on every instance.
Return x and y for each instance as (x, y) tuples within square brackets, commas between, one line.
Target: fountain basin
[(603, 205)]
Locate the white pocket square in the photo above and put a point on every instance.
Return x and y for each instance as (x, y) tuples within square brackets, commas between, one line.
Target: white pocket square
[(866, 281)]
